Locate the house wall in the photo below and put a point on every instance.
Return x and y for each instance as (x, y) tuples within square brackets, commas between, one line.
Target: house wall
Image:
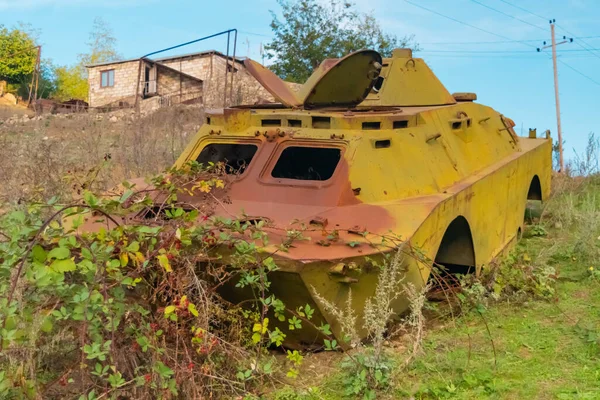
[(126, 75), (208, 67), (177, 87), (211, 69)]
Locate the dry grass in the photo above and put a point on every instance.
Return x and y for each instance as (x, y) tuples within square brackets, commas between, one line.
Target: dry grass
[(42, 158)]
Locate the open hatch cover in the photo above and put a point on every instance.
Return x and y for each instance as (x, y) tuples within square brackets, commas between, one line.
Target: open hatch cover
[(343, 82)]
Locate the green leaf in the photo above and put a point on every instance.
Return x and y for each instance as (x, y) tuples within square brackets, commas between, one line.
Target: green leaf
[(60, 253), (18, 216), (46, 325), (63, 265), (326, 329), (126, 195), (163, 370), (192, 309), (90, 199), (164, 262), (85, 253), (270, 264), (38, 253), (169, 310)]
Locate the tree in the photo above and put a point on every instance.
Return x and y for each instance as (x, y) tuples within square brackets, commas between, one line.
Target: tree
[(46, 84), (17, 54), (102, 44), (313, 30), (71, 82)]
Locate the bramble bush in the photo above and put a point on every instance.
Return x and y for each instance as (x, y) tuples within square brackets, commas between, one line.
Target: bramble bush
[(123, 309)]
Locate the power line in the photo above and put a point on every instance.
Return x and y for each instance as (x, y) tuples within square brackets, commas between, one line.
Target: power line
[(464, 23), (570, 56), (487, 42), (256, 34), (490, 56), (498, 35), (508, 15), (582, 41), (526, 10), (25, 50), (579, 72), (500, 51), (577, 39), (506, 41)]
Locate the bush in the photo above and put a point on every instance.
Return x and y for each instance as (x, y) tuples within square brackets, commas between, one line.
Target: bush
[(124, 310)]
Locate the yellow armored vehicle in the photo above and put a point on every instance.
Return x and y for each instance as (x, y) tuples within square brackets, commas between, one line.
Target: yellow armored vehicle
[(374, 145), (370, 147)]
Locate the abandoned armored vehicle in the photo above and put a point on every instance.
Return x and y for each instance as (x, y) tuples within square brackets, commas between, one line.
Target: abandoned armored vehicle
[(370, 147)]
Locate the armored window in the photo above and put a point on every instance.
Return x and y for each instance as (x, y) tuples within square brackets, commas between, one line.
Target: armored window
[(235, 156), (307, 163), (107, 78)]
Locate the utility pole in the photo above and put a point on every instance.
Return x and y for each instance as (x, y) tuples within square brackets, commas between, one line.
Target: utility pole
[(561, 162)]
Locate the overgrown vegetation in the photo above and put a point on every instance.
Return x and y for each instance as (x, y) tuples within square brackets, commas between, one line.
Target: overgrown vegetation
[(126, 312), (123, 309), (53, 155), (130, 307)]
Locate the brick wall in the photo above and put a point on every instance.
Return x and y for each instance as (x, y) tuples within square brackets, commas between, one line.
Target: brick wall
[(208, 67), (125, 82), (170, 83), (211, 69)]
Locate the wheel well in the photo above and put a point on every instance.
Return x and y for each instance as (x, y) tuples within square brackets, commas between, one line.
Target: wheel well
[(457, 252), (535, 189)]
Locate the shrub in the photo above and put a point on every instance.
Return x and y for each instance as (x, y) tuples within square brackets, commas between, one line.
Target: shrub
[(124, 310)]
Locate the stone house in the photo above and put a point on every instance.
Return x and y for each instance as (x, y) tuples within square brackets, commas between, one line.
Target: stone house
[(209, 78)]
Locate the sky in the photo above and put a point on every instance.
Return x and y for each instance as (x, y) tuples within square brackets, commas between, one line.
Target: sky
[(459, 39)]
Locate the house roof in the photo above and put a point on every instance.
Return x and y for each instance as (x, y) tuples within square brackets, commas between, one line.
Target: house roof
[(169, 58)]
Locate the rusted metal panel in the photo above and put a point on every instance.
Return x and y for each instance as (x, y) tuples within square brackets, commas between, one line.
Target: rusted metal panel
[(275, 85)]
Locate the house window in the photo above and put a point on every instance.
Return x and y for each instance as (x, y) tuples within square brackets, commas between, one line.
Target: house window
[(307, 163), (107, 78)]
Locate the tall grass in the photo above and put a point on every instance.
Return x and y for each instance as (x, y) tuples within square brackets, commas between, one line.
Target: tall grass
[(50, 157)]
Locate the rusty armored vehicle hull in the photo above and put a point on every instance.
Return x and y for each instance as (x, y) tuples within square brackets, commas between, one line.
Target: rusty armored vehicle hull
[(371, 147)]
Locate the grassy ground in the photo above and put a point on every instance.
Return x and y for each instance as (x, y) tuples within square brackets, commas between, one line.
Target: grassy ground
[(544, 349), (535, 348)]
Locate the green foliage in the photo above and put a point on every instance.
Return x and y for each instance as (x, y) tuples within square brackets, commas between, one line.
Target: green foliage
[(517, 278), (366, 374), (71, 83), (312, 31), (17, 54), (123, 305), (536, 230)]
